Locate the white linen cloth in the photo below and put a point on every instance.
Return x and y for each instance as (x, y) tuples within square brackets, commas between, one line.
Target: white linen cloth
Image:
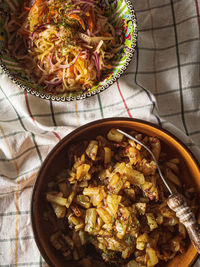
[(161, 85)]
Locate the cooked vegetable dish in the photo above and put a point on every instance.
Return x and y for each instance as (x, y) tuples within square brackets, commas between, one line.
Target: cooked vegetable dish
[(113, 198), (64, 45)]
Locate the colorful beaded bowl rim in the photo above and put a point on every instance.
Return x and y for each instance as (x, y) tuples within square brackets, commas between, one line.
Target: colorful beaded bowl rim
[(123, 10)]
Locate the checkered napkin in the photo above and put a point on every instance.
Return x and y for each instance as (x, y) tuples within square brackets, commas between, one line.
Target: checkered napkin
[(161, 85)]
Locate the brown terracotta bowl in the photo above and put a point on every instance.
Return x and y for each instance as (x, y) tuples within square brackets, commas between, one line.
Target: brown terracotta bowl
[(56, 161)]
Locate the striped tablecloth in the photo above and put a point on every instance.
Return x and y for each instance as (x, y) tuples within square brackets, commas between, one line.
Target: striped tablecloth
[(161, 85)]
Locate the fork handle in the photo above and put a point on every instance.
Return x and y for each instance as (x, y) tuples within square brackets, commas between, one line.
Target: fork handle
[(178, 204)]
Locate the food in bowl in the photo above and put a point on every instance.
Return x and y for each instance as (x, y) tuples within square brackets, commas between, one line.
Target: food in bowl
[(111, 197), (66, 45)]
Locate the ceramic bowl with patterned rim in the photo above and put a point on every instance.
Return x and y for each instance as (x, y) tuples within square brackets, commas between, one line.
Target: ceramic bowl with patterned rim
[(58, 158), (122, 11)]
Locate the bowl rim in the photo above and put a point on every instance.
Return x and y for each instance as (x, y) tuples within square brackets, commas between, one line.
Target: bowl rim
[(86, 94), (75, 131)]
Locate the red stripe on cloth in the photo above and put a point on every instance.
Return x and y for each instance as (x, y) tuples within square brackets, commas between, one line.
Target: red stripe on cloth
[(127, 109), (198, 18), (57, 135), (28, 108), (31, 115)]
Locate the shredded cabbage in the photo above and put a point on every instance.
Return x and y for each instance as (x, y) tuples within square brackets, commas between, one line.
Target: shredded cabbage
[(66, 45)]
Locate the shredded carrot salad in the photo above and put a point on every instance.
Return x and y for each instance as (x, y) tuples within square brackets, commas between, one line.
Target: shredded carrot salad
[(66, 45)]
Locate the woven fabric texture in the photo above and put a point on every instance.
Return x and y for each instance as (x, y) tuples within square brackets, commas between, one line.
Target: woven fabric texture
[(161, 85)]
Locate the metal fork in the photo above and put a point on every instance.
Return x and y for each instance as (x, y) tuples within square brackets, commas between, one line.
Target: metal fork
[(177, 203)]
